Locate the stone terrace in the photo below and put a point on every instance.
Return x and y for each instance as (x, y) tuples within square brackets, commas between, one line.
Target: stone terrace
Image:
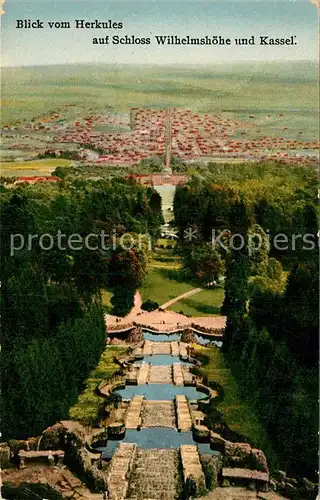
[(158, 414), (166, 321), (155, 475), (160, 374)]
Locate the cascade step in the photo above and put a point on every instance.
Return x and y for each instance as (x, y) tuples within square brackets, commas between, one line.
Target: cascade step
[(160, 374), (133, 417), (147, 348), (158, 414), (192, 468), (143, 374), (119, 471), (177, 373), (155, 475), (183, 349), (184, 420), (175, 351), (162, 348)]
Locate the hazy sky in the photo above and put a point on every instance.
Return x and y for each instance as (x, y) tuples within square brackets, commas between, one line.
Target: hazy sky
[(147, 19)]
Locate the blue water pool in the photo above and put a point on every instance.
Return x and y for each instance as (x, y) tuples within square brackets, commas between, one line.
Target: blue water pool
[(161, 337), (207, 340), (156, 437), (162, 392)]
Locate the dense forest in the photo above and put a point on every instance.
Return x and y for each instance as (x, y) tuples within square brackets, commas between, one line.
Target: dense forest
[(271, 295), (52, 320)]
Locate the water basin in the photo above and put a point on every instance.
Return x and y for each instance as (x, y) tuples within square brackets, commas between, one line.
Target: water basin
[(161, 337), (163, 392), (207, 340), (156, 437)]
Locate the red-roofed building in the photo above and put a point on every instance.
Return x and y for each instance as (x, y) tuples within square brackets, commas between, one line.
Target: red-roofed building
[(37, 179)]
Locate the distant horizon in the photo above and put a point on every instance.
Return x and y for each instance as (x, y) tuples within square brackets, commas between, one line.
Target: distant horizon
[(163, 65)]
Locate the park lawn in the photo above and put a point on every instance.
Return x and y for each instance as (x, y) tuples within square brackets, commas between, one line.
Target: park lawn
[(89, 404), (204, 303), (239, 415), (162, 284)]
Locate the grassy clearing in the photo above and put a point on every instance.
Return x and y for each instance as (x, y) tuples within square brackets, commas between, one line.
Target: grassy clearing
[(32, 167), (162, 284), (204, 303), (238, 414), (87, 408)]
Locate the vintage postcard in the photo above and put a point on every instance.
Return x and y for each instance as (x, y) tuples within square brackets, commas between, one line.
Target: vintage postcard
[(159, 249)]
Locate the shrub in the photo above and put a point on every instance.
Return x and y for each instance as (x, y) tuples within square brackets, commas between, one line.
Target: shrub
[(150, 305)]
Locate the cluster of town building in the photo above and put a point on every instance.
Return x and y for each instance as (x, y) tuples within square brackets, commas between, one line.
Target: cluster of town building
[(126, 139), (148, 131)]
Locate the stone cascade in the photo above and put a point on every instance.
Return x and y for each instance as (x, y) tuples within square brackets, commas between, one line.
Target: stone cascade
[(119, 471), (162, 348), (143, 374), (147, 348), (177, 373), (192, 468), (183, 349), (184, 420), (158, 414), (160, 374), (155, 475), (171, 348), (133, 417), (175, 350)]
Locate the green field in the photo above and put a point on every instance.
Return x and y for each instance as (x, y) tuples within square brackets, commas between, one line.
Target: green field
[(234, 91), (32, 167), (203, 303), (162, 284)]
